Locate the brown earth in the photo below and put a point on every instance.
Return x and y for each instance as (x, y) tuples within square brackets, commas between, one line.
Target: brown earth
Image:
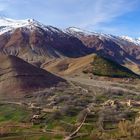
[(69, 66), (37, 45), (18, 76)]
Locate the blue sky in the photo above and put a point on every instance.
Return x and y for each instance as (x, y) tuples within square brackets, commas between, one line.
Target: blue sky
[(119, 17)]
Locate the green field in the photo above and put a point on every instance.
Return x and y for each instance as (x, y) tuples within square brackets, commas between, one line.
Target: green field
[(13, 113)]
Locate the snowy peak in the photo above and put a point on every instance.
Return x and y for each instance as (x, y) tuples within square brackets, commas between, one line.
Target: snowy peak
[(17, 23), (78, 32), (9, 25), (131, 40), (74, 30)]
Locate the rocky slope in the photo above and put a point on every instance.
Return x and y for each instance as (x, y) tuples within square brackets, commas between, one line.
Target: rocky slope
[(18, 76), (37, 43), (88, 66), (30, 40), (124, 50)]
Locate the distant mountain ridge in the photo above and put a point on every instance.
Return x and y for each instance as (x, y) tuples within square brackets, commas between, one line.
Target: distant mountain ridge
[(76, 31), (7, 24), (35, 42)]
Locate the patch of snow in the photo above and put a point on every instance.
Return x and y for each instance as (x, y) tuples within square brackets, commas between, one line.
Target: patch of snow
[(75, 30), (123, 40), (8, 25), (131, 40)]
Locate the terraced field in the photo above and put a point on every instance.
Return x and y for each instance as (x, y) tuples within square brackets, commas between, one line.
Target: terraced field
[(82, 112)]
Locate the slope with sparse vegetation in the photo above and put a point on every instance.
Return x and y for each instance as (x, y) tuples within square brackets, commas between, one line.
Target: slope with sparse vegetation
[(105, 67)]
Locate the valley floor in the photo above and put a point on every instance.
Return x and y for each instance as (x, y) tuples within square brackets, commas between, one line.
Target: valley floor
[(88, 109)]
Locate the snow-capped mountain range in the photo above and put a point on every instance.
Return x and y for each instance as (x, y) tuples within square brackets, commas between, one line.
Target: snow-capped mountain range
[(130, 39), (34, 41), (8, 25), (76, 31)]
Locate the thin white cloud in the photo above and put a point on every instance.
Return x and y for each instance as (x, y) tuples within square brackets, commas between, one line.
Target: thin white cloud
[(76, 12), (104, 11)]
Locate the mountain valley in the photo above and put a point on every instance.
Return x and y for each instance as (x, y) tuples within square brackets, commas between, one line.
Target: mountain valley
[(67, 84)]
